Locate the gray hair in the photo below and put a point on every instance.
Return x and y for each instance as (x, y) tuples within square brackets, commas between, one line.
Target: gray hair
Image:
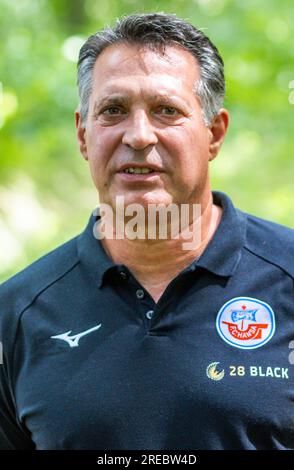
[(156, 31)]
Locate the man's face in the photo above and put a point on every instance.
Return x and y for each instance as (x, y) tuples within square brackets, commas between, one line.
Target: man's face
[(143, 112)]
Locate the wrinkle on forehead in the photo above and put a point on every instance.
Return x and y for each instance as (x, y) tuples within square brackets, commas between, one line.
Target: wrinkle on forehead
[(164, 85), (117, 57)]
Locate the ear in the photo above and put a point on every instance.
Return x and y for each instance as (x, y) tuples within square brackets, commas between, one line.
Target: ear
[(218, 129), (81, 131)]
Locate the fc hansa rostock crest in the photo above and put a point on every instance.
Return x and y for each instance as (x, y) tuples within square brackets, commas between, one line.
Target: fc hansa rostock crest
[(246, 323)]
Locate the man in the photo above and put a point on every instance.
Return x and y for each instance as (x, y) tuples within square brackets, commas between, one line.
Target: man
[(119, 342)]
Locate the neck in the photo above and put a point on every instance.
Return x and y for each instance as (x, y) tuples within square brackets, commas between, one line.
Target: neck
[(155, 262)]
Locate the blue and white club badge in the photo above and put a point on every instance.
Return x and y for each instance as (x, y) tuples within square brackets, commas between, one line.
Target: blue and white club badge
[(246, 323)]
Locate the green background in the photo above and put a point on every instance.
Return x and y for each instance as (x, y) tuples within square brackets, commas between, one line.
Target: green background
[(46, 193)]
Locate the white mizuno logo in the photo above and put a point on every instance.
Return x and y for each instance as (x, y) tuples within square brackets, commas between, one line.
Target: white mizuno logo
[(73, 340)]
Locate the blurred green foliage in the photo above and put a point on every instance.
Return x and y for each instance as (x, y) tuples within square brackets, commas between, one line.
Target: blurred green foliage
[(46, 193)]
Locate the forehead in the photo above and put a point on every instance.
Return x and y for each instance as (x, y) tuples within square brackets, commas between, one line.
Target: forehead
[(122, 67)]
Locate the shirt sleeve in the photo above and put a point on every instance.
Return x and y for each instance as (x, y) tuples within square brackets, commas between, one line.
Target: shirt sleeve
[(12, 436), (13, 433)]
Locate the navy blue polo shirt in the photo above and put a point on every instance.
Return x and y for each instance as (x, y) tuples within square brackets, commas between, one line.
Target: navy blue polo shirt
[(90, 361)]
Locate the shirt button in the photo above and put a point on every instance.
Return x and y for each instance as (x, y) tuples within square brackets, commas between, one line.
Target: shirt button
[(123, 275), (140, 294), (149, 314)]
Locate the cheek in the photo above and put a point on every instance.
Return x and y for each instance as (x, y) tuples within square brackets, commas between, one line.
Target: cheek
[(101, 142), (103, 149), (188, 148)]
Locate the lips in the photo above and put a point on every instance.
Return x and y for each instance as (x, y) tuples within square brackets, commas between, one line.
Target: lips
[(133, 173), (130, 168)]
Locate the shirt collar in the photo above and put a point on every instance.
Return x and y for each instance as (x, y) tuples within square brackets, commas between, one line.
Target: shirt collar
[(223, 252), (220, 257), (91, 252)]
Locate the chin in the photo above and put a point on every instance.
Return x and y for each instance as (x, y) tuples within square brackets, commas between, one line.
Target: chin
[(144, 198), (148, 198)]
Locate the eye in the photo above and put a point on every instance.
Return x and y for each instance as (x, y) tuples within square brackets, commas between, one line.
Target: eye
[(168, 111), (112, 111)]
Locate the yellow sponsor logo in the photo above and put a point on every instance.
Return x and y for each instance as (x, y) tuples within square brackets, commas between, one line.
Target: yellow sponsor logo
[(212, 372)]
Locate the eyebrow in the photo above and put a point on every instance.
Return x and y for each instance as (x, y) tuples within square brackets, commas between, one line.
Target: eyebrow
[(114, 99)]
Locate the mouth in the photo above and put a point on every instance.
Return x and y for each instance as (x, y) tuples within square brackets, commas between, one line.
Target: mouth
[(137, 170), (141, 173)]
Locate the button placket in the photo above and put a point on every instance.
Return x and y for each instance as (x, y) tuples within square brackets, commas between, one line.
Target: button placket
[(146, 307)]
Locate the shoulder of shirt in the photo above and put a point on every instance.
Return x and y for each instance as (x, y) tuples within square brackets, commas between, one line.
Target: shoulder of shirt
[(270, 241), (20, 291)]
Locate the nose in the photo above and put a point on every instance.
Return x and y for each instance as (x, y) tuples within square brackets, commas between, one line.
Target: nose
[(140, 132)]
